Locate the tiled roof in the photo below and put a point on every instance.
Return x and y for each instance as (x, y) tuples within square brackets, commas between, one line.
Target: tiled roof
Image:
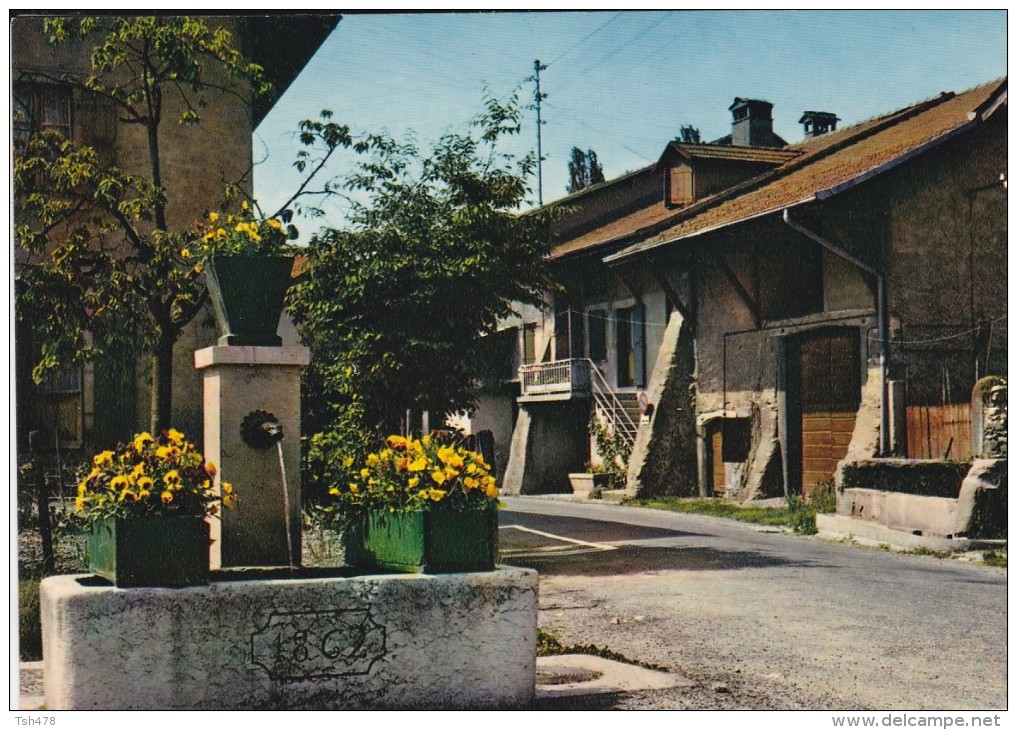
[(615, 230), (829, 163), (731, 152)]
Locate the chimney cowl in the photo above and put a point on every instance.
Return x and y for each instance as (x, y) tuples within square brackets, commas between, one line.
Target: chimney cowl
[(752, 123), (817, 123)]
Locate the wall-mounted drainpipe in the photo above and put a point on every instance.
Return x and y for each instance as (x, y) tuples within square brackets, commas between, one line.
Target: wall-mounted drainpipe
[(882, 317)]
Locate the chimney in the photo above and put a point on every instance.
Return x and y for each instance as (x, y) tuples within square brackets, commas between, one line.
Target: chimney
[(752, 123), (817, 123)]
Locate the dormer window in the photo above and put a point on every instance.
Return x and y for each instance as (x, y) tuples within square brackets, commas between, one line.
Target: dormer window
[(681, 186)]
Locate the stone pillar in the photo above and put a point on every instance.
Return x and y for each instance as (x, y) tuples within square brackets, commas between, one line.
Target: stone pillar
[(239, 380)]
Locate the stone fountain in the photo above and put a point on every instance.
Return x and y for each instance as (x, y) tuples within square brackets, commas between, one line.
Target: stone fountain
[(266, 634)]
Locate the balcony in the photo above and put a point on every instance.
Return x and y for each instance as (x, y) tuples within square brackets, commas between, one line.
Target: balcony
[(555, 380)]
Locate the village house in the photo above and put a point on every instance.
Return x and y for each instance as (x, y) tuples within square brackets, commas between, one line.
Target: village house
[(108, 400), (779, 310)]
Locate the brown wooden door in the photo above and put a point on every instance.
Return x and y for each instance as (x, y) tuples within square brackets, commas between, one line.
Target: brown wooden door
[(717, 456), (830, 394)]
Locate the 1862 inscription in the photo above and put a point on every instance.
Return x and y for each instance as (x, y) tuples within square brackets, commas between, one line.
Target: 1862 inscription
[(297, 645)]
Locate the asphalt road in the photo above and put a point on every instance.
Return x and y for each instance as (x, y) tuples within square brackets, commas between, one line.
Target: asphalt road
[(763, 619)]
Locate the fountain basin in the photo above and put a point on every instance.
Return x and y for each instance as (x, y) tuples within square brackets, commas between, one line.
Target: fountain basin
[(318, 640)]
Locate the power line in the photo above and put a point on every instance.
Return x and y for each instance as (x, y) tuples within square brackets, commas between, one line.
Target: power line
[(586, 38), (601, 132)]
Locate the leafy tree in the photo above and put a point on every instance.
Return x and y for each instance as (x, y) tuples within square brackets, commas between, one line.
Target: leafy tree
[(395, 305), (688, 134), (584, 170), (105, 265)]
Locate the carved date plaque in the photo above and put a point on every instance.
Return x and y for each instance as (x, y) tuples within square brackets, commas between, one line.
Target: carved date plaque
[(296, 645)]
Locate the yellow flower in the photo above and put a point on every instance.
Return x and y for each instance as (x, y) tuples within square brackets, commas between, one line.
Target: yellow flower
[(145, 483), (354, 488), (372, 460), (364, 473), (220, 233), (471, 483), (213, 216), (229, 501), (348, 461), (198, 268), (82, 488), (171, 478), (142, 440), (185, 254), (227, 488), (104, 457), (419, 464), (210, 468), (334, 491), (436, 494), (438, 477), (273, 223), (79, 503), (244, 205), (414, 481), (144, 494), (119, 481), (396, 441), (491, 491), (166, 497), (175, 436)]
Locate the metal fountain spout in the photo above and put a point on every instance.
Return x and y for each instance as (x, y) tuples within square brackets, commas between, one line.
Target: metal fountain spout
[(261, 430)]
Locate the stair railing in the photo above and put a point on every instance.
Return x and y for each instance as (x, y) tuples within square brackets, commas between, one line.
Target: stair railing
[(607, 402)]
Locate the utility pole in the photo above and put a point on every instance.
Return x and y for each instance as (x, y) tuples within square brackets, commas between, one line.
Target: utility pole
[(537, 98)]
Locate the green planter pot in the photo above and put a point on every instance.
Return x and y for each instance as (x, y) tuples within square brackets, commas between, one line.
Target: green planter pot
[(436, 541), (248, 294), (150, 551)]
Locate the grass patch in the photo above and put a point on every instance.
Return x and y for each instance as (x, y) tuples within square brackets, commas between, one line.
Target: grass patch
[(29, 629), (548, 644), (994, 558), (798, 515)]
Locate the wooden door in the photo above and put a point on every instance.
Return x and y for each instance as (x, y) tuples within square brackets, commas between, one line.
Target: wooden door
[(830, 393)]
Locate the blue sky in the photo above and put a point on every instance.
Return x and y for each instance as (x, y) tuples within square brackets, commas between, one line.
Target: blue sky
[(622, 83)]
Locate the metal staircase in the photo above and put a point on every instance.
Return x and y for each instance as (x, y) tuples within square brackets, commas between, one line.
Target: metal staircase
[(617, 409)]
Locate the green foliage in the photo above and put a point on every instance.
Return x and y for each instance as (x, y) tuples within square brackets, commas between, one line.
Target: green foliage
[(101, 257), (994, 558), (801, 516), (395, 306), (549, 644), (584, 170), (614, 452), (797, 515), (29, 623)]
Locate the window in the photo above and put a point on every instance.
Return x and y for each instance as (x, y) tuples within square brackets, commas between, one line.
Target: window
[(529, 343), (596, 326), (41, 107), (57, 409), (681, 186)]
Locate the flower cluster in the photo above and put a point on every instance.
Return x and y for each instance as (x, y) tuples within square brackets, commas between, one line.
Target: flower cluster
[(151, 476), (242, 234), (417, 474)]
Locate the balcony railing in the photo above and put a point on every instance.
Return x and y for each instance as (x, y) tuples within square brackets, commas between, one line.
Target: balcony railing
[(563, 378)]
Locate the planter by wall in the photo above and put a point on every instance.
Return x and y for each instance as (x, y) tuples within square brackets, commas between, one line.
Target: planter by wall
[(435, 541), (585, 484), (152, 551), (247, 295)]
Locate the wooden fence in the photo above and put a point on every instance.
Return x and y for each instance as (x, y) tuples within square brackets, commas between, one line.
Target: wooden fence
[(938, 432)]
